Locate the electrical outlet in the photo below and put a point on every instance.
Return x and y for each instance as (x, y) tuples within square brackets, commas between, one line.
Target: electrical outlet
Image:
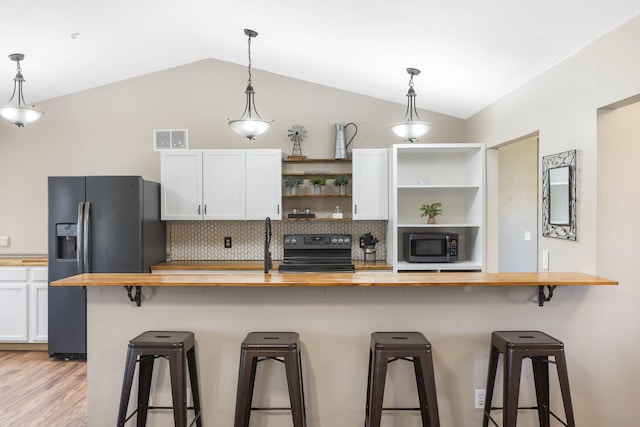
[(480, 395), (4, 241), (527, 235), (227, 242)]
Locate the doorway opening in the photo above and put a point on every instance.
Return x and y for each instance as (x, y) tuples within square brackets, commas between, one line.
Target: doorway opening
[(518, 205)]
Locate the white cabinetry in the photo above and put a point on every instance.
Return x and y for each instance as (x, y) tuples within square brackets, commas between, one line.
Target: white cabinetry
[(221, 184), (370, 183), (452, 174), (23, 304), (263, 184)]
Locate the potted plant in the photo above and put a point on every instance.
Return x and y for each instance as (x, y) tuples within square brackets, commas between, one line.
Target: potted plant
[(341, 182), (317, 182), (292, 183), (431, 211)]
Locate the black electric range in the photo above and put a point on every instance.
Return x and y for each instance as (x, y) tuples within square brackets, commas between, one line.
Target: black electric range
[(330, 253)]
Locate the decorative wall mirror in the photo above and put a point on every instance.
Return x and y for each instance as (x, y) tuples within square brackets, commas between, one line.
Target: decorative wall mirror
[(559, 195)]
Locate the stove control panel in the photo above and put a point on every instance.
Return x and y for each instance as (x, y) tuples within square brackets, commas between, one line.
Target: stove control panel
[(317, 241)]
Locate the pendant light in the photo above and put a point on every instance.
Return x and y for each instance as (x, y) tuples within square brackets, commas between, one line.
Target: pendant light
[(411, 128), (19, 114), (250, 124)]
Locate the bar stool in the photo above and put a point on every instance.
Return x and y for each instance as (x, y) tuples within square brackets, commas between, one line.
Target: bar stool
[(515, 346), (145, 349), (279, 346), (409, 346)]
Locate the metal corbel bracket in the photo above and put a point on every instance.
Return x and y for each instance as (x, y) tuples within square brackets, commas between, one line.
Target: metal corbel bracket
[(136, 297), (542, 297)]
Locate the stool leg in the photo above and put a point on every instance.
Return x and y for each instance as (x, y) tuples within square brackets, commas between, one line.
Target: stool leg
[(368, 400), (294, 381), (127, 383), (563, 379), (511, 389), (177, 369), (540, 366), (426, 383), (244, 395), (144, 387), (195, 390), (491, 379), (380, 362)]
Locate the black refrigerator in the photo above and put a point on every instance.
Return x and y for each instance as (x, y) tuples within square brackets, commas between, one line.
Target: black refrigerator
[(97, 224)]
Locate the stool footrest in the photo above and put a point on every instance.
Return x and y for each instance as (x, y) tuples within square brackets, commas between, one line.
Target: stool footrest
[(401, 409), (275, 408)]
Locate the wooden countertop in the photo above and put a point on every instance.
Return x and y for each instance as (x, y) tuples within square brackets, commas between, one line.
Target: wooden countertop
[(358, 279), (23, 261), (250, 265)]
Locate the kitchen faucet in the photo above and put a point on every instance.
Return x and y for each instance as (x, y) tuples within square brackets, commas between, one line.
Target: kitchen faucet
[(268, 264)]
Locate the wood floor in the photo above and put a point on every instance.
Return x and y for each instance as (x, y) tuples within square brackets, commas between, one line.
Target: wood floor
[(38, 391)]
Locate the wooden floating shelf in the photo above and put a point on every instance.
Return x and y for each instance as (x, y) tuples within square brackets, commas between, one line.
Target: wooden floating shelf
[(286, 160), (293, 196)]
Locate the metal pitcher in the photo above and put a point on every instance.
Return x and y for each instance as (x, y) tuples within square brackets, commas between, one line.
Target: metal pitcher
[(341, 147)]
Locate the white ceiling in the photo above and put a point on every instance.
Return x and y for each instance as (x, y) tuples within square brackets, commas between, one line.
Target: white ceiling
[(471, 52)]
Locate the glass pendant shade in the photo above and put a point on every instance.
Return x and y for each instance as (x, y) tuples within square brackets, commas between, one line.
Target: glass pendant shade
[(18, 113), (411, 127), (250, 124)]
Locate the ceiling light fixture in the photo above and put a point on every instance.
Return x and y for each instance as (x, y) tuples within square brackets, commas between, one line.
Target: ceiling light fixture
[(19, 114), (250, 124), (411, 128)]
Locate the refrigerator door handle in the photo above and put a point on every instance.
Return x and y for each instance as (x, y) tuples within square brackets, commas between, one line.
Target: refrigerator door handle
[(87, 237), (80, 237)]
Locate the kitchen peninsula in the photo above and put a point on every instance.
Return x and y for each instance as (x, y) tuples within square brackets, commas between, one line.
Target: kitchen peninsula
[(334, 314)]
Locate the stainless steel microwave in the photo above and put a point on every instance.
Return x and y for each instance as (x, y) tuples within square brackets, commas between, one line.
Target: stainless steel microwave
[(430, 247)]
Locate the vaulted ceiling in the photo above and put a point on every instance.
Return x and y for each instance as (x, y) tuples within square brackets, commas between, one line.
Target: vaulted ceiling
[(470, 52)]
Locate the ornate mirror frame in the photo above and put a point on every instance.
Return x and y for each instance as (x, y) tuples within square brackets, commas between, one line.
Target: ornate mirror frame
[(559, 231)]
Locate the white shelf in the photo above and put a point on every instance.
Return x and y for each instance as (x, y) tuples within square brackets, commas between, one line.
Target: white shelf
[(439, 266)]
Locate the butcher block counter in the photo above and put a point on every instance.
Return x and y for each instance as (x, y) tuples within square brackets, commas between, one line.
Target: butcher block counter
[(358, 279), (23, 261), (335, 315)]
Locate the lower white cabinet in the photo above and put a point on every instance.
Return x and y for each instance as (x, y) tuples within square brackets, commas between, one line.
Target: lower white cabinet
[(23, 304)]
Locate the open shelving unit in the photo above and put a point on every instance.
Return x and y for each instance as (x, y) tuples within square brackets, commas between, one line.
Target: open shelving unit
[(322, 204), (452, 174)]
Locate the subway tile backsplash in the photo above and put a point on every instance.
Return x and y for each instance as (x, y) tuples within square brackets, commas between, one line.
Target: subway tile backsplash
[(204, 240)]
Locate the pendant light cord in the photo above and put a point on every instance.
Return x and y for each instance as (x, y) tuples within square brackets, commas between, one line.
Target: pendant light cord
[(249, 50)]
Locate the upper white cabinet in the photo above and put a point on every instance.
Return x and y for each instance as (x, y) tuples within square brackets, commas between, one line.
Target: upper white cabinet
[(221, 184), (452, 174), (23, 304), (263, 184), (370, 183), (181, 177)]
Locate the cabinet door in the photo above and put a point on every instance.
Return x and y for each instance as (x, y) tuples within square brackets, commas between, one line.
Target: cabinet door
[(38, 305), (224, 184), (13, 304), (264, 184), (370, 183), (181, 177)]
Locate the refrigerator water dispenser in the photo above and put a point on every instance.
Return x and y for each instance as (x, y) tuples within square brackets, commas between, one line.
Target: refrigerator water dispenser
[(66, 239)]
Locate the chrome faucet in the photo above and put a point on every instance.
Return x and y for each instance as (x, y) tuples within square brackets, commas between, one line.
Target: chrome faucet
[(268, 264)]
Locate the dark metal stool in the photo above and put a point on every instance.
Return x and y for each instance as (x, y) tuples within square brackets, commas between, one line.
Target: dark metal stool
[(538, 346), (145, 349), (409, 346), (280, 346)]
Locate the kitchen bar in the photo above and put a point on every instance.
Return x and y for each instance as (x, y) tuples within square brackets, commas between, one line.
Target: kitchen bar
[(334, 314)]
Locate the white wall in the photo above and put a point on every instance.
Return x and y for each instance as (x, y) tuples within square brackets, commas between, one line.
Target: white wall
[(108, 130)]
